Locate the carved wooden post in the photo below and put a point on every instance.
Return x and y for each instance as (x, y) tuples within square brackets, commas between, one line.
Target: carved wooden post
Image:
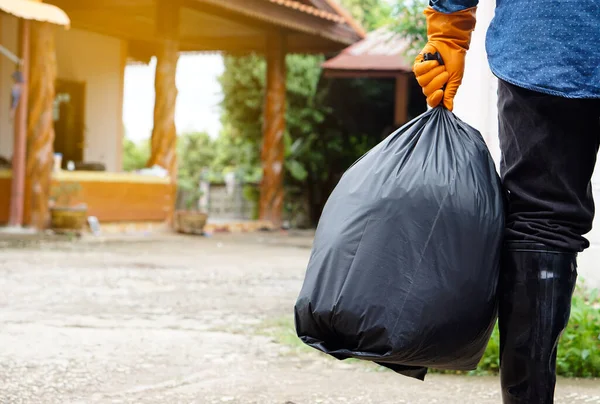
[(164, 134), (401, 103), (19, 158), (40, 128), (271, 188)]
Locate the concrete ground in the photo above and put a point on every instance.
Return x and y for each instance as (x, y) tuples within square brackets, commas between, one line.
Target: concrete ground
[(186, 320)]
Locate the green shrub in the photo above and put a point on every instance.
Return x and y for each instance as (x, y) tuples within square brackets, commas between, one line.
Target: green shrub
[(579, 349), (490, 363), (135, 154), (578, 353)]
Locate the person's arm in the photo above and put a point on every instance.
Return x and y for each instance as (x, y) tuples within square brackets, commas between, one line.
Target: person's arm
[(449, 27), (452, 6)]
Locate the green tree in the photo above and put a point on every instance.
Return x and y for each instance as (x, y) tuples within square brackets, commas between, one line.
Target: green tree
[(330, 122), (238, 146), (234, 152), (195, 152), (409, 21), (243, 85), (372, 14), (135, 155)]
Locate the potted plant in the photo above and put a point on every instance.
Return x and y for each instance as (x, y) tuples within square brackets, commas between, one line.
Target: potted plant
[(191, 220), (66, 215)]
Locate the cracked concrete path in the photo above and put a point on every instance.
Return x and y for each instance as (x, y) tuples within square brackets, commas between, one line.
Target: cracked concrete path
[(177, 320)]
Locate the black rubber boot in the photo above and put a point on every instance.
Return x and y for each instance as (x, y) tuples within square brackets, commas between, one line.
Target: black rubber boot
[(536, 287)]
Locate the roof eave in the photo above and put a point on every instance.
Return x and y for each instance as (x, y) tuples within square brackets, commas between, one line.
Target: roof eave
[(287, 18), (36, 11)]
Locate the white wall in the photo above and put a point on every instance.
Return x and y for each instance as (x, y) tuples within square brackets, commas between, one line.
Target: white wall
[(476, 100), (98, 61), (8, 38), (589, 260)]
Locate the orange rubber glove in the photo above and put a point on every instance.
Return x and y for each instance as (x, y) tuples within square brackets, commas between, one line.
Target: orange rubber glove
[(450, 35)]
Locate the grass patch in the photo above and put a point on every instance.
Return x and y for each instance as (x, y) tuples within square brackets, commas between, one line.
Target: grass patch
[(283, 331), (579, 349), (578, 353)]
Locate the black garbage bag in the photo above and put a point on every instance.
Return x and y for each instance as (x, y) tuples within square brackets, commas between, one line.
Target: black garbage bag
[(405, 262)]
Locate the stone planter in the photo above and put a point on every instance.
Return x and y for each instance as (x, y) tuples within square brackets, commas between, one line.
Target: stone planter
[(190, 221), (65, 220)]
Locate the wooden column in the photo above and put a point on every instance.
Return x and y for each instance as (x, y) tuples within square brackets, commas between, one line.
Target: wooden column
[(164, 134), (17, 199), (272, 155), (401, 103), (40, 128)]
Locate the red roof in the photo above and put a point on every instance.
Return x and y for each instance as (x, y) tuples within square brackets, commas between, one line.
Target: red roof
[(296, 5), (381, 53), (329, 10)]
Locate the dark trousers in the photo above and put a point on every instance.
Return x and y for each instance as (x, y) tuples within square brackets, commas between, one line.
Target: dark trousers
[(549, 146)]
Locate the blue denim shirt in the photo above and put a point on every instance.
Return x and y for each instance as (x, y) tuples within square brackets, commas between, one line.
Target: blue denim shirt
[(549, 46)]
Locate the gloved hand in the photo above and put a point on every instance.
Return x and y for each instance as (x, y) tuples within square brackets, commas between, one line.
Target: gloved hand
[(450, 35)]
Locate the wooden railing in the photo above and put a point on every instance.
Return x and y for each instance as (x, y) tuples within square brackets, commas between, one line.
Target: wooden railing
[(111, 197)]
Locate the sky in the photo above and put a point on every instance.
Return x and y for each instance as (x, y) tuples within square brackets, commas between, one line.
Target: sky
[(197, 103)]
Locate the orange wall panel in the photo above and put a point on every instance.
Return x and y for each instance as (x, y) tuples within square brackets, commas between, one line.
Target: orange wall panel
[(111, 197), (5, 184), (118, 198)]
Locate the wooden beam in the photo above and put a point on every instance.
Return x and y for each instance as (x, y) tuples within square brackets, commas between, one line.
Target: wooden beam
[(140, 51), (122, 25), (272, 155), (353, 74), (401, 104), (303, 43), (40, 130), (234, 44), (70, 6), (242, 43), (228, 13), (144, 50), (164, 133)]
